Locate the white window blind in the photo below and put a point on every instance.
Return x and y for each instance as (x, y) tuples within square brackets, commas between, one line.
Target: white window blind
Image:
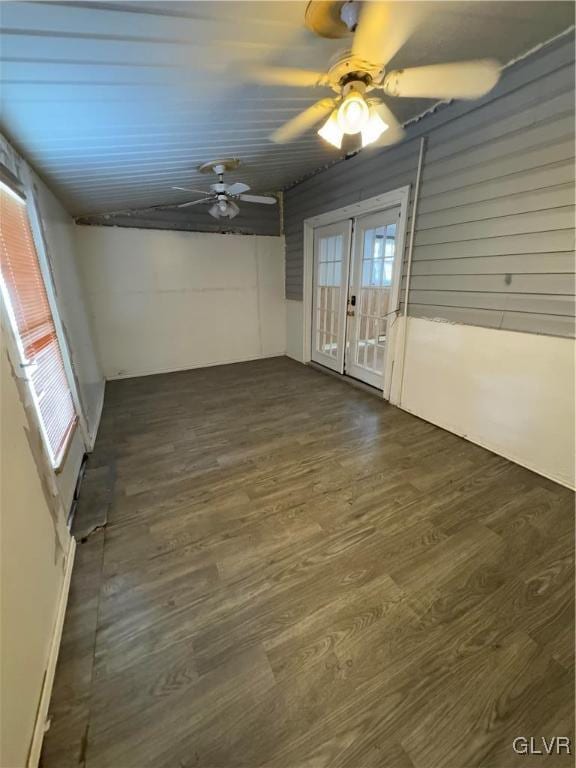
[(24, 293)]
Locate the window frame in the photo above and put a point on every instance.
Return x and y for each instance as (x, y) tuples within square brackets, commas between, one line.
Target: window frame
[(16, 352)]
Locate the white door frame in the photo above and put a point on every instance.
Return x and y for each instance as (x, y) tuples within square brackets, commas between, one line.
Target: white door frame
[(396, 197)]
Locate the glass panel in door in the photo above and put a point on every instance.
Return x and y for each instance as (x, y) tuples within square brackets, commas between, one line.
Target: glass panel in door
[(371, 287), (331, 256)]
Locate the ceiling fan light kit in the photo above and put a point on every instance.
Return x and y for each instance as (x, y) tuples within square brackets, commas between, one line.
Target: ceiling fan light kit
[(353, 113), (378, 30), (374, 128), (224, 209), (331, 131)]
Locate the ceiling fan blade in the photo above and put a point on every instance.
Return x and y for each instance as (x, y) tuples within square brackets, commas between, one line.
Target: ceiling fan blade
[(187, 189), (264, 199), (394, 133), (289, 76), (460, 80), (383, 29), (302, 122), (194, 202), (237, 188)]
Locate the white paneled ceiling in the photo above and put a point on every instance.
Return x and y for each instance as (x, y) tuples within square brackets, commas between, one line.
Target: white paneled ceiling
[(116, 102)]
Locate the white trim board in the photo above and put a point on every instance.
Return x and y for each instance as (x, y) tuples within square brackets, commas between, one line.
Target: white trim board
[(396, 197), (194, 367), (40, 241), (44, 703), (100, 407)]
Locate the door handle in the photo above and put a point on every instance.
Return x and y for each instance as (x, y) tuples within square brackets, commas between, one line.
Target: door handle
[(350, 312)]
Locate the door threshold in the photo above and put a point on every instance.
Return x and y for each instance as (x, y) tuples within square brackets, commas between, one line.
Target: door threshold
[(369, 389)]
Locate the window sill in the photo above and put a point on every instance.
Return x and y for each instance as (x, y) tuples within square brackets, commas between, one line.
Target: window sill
[(68, 442)]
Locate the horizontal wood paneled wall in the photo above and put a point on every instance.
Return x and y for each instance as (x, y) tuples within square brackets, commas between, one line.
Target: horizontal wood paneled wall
[(495, 233)]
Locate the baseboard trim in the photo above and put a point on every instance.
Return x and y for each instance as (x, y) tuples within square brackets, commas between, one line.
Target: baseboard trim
[(299, 359), (493, 449), (193, 367), (42, 713)]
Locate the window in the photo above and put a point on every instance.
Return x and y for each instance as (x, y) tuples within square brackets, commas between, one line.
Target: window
[(378, 260), (330, 266), (24, 295)]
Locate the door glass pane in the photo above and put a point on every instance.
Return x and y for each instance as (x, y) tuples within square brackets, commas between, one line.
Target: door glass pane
[(378, 252), (328, 288)]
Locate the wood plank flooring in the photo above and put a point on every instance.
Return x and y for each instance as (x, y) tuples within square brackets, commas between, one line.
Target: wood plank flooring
[(295, 574)]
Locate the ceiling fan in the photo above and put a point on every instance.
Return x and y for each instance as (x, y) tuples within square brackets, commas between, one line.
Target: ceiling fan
[(223, 196), (380, 29)]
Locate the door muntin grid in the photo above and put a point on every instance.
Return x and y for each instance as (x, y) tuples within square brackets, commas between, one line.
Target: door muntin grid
[(328, 293), (373, 299)]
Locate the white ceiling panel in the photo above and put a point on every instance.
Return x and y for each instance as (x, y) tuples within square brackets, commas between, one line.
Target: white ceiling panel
[(115, 103)]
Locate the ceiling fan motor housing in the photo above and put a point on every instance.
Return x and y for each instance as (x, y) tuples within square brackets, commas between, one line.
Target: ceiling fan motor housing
[(219, 166), (332, 19), (354, 84), (347, 68)]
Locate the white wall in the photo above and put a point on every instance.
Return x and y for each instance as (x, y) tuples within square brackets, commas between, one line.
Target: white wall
[(510, 392), (34, 547), (165, 301)]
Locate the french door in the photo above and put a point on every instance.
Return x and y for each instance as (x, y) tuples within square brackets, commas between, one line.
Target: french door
[(355, 291), (331, 265)]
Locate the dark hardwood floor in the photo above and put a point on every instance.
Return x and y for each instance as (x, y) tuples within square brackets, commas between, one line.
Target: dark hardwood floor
[(295, 574)]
